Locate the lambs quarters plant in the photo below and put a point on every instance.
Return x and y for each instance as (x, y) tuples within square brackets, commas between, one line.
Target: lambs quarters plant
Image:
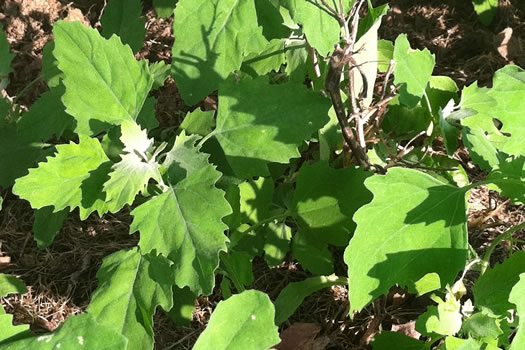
[(310, 150)]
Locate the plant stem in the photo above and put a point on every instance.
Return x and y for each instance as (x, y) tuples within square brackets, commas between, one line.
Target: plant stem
[(205, 138), (506, 235), (267, 220), (27, 87)]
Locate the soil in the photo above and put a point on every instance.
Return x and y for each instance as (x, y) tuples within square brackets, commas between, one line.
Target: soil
[(61, 278)]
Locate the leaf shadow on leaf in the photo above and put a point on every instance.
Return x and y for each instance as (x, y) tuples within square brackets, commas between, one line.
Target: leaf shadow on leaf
[(92, 188), (406, 268), (437, 207), (204, 66)]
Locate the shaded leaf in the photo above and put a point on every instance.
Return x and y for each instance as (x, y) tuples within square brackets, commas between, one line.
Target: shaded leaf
[(198, 122), (393, 340), (11, 285), (415, 225), (47, 225), (5, 59), (131, 286), (183, 305), (123, 18), (517, 297), (164, 8), (277, 242)]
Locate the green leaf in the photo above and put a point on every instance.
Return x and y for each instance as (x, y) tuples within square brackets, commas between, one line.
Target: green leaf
[(164, 8), (211, 38), (505, 276), (160, 71), (9, 330), (78, 332), (111, 85), (294, 293), (146, 117), (255, 199), (481, 150), (130, 288), (453, 343), (131, 175), (258, 123), (320, 26), (11, 285), (238, 266), (486, 10), (47, 225), (270, 58), (449, 132), (270, 18), (17, 154), (385, 53), (413, 69), (517, 297), (405, 123), (504, 103), (509, 179), (198, 122), (313, 255), (440, 91), (58, 181), (244, 321), (393, 340), (184, 223), (415, 225), (122, 18), (5, 59), (52, 75), (277, 242), (426, 284), (481, 326), (46, 118), (445, 319), (184, 303), (326, 199)]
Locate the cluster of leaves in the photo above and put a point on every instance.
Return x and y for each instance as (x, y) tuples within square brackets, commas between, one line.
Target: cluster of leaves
[(267, 176)]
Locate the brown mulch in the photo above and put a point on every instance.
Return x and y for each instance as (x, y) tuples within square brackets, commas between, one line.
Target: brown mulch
[(61, 278)]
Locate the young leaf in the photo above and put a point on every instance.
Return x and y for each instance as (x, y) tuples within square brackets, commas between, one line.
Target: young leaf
[(413, 68), (414, 225), (184, 223), (198, 122), (131, 286), (164, 8), (110, 88), (385, 53), (131, 175), (486, 10), (58, 181), (78, 332), (244, 321), (325, 200), (481, 326), (445, 319), (517, 297), (5, 59), (258, 123), (122, 18), (11, 285), (47, 225), (211, 38), (505, 276), (294, 293)]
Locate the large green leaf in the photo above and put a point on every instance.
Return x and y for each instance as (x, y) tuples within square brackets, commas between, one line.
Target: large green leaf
[(104, 83), (294, 293), (517, 297), (509, 177), (211, 38), (505, 276), (5, 59), (325, 200), (414, 225), (58, 181), (320, 26), (255, 200), (244, 321), (78, 332), (258, 123), (131, 175), (184, 223), (413, 69), (122, 17), (131, 286)]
